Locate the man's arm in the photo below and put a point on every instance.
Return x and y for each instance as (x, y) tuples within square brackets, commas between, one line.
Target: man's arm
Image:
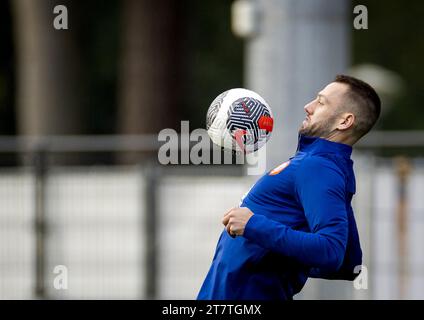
[(353, 256), (320, 188)]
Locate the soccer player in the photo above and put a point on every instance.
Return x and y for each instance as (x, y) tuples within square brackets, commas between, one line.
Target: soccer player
[(297, 221)]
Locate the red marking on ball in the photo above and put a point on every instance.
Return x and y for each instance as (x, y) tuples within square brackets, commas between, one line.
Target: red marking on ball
[(266, 123), (238, 134), (246, 109)]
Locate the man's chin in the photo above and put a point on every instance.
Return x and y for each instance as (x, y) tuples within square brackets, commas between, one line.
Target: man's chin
[(305, 127), (308, 132), (304, 131)]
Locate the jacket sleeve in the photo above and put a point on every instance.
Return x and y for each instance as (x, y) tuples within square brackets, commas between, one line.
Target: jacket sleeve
[(352, 259), (320, 188)]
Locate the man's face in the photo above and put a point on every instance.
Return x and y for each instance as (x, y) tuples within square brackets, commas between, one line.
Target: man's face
[(322, 112)]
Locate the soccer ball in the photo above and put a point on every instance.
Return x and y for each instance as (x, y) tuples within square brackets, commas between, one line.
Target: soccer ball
[(239, 120)]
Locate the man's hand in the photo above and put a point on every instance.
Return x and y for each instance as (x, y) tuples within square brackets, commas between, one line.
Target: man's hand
[(235, 220)]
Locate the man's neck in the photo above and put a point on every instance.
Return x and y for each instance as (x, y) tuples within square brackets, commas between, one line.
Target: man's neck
[(339, 138)]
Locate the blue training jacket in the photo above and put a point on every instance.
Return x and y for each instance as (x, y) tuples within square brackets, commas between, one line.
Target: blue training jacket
[(303, 226)]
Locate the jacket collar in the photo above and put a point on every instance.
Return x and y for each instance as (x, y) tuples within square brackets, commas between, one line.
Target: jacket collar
[(318, 145)]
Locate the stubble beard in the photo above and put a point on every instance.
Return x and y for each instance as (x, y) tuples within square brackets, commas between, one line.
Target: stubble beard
[(320, 129)]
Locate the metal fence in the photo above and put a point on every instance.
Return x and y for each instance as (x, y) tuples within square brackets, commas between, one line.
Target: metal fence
[(136, 229)]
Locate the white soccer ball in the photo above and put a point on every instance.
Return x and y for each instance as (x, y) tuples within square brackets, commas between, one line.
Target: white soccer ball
[(239, 120)]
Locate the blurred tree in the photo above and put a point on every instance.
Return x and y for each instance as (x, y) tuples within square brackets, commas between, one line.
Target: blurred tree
[(98, 38), (48, 70), (159, 63), (148, 66), (7, 110), (212, 57)]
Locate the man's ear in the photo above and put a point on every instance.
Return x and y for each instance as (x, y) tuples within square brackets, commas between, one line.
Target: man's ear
[(346, 121)]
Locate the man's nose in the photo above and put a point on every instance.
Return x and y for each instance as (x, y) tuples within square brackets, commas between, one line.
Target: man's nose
[(309, 107)]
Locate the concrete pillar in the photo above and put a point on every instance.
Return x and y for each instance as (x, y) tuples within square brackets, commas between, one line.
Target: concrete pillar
[(295, 48), (299, 46)]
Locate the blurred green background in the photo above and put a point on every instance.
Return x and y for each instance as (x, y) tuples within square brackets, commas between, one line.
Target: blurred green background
[(207, 59)]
